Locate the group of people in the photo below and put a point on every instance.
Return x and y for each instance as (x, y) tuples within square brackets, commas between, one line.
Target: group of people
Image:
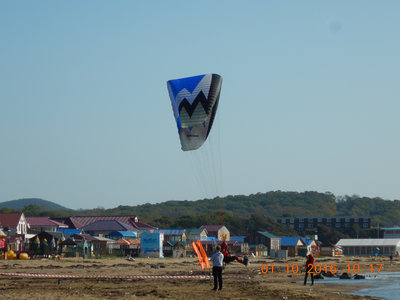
[(222, 256)]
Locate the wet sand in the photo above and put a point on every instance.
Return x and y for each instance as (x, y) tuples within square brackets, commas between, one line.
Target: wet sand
[(240, 282)]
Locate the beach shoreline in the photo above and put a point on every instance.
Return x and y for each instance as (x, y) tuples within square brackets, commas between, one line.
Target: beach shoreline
[(240, 282)]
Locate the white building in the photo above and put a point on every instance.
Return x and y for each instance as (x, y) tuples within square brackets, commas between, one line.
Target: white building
[(368, 247)]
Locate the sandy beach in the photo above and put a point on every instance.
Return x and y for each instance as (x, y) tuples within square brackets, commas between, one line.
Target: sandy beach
[(239, 282)]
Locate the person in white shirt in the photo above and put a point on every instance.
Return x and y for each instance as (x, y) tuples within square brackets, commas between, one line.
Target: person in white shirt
[(217, 259)]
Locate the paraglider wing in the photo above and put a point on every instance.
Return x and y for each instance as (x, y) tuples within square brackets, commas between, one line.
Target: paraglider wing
[(203, 254), (199, 256), (194, 103)]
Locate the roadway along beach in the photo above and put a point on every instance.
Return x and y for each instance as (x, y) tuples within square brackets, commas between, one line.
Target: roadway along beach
[(239, 282)]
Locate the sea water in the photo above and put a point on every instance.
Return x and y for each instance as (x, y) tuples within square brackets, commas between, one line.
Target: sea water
[(385, 285)]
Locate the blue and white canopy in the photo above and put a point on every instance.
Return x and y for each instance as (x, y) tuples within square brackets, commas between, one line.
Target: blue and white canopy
[(194, 103)]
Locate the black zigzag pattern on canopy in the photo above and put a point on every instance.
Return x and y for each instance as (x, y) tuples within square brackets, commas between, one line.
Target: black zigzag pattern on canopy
[(190, 108), (210, 104)]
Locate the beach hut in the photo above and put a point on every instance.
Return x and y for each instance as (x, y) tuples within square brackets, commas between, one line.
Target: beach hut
[(68, 248), (263, 237), (312, 245), (129, 247), (259, 250), (292, 244), (103, 245), (84, 244)]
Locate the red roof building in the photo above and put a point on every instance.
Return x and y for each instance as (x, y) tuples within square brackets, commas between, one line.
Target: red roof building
[(39, 224), (15, 227), (82, 221), (15, 223)]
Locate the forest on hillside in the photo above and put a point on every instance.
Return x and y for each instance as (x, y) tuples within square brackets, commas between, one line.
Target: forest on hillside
[(243, 214), (240, 207)]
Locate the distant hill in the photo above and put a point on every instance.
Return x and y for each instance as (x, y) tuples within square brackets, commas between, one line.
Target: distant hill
[(272, 204), (21, 203)]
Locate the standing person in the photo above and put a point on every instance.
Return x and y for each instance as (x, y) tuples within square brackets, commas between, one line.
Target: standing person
[(309, 268), (217, 259)]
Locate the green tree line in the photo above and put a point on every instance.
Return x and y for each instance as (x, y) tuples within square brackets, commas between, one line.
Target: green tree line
[(243, 214)]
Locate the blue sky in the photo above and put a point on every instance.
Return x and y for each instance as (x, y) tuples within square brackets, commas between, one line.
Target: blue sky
[(309, 101)]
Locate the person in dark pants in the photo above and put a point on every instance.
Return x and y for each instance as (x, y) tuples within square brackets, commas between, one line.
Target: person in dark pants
[(309, 268), (217, 259)]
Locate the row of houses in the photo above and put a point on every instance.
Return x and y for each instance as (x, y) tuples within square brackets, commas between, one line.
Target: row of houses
[(88, 235), (95, 234)]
